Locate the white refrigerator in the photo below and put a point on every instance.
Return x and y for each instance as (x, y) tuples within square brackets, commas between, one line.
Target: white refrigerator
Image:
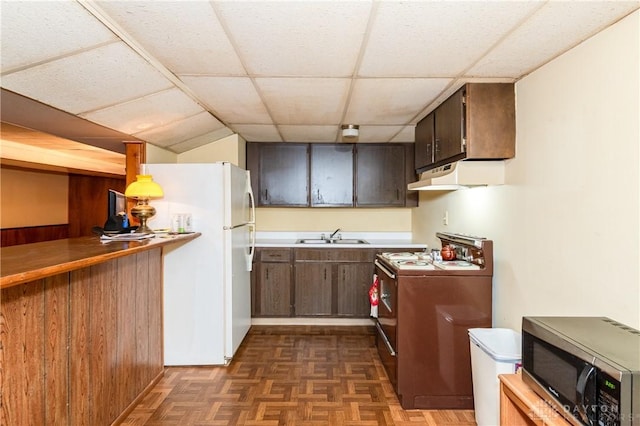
[(207, 285)]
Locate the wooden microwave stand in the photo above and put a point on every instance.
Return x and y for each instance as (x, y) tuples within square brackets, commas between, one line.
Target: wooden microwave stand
[(521, 406)]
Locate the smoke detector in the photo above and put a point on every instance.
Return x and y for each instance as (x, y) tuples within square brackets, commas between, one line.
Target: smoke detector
[(350, 131)]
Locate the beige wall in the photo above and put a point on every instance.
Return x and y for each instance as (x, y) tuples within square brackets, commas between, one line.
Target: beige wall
[(33, 198), (329, 219), (157, 155), (231, 148), (566, 225)]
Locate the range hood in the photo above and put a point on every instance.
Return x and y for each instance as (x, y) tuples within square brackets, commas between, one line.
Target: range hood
[(459, 175)]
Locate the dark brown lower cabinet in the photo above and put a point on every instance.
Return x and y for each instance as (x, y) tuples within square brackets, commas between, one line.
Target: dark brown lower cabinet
[(354, 280), (333, 282), (271, 283), (308, 282), (313, 288), (272, 291)]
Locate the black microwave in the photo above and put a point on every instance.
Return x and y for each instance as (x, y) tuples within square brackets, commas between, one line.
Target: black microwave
[(586, 368)]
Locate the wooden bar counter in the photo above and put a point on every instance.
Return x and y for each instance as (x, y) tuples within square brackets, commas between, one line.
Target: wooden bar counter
[(81, 328)]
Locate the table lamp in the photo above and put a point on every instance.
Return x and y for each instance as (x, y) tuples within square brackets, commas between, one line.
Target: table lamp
[(143, 189)]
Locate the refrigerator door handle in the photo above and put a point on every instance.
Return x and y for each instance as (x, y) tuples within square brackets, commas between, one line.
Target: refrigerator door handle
[(252, 201), (252, 246)]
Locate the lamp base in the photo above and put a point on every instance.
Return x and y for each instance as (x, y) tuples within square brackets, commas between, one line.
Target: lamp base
[(143, 212)]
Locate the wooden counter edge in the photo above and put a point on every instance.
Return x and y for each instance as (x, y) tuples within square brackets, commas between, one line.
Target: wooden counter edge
[(527, 401), (25, 277)]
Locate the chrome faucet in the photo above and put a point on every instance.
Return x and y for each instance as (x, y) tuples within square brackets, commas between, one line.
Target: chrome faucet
[(331, 237)]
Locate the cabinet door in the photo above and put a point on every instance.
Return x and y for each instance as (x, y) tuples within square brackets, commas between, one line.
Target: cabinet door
[(312, 289), (272, 292), (284, 175), (354, 281), (331, 175), (449, 125), (380, 175), (424, 143)]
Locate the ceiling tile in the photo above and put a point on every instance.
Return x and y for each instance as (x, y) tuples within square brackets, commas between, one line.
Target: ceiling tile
[(436, 38), (408, 134), (33, 32), (272, 70), (391, 100), (147, 112), (90, 80), (185, 36), (555, 28), (309, 133), (304, 100), (378, 133), (258, 132), (232, 99), (181, 131), (201, 140), (285, 38)]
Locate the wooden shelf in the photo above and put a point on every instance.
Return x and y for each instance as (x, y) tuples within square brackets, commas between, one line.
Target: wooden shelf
[(521, 406)]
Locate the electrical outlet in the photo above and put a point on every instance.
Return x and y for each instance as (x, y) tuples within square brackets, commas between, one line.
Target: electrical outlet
[(445, 218)]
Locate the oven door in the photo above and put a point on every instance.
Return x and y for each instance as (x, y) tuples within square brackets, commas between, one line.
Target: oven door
[(387, 324), (387, 315)]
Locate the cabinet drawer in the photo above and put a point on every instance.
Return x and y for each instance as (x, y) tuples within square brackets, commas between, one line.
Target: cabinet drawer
[(354, 255), (335, 254), (274, 255), (312, 254)]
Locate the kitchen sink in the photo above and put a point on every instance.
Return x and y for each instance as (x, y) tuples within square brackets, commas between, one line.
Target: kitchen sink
[(348, 241), (325, 241)]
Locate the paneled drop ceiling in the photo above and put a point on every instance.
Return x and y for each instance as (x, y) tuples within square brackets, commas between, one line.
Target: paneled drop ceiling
[(181, 74)]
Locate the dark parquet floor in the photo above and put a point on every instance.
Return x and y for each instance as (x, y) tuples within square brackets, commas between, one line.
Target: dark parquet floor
[(288, 375)]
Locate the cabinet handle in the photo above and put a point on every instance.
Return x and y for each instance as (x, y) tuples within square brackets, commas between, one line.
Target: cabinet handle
[(437, 146), (266, 273), (325, 274), (266, 194), (397, 194)]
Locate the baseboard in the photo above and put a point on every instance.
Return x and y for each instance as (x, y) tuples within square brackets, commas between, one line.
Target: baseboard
[(312, 321)]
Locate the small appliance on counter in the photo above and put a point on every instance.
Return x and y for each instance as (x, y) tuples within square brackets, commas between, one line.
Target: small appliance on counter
[(425, 310), (587, 368)]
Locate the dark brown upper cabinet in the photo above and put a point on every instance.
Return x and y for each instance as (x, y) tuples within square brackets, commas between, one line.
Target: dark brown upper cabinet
[(380, 177), (279, 173), (477, 122), (332, 175)]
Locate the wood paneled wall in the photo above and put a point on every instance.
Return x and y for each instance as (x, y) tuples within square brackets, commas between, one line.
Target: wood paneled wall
[(32, 234), (87, 208), (80, 347), (88, 202)]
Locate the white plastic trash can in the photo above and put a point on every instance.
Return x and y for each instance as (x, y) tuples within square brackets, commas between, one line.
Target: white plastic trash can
[(493, 351)]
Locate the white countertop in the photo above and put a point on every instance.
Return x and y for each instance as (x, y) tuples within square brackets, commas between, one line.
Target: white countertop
[(374, 239)]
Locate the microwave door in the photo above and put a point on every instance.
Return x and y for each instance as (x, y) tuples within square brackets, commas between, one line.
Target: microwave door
[(585, 390)]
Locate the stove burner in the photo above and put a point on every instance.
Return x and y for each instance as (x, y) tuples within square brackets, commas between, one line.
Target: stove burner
[(413, 264), (400, 256), (456, 265)]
